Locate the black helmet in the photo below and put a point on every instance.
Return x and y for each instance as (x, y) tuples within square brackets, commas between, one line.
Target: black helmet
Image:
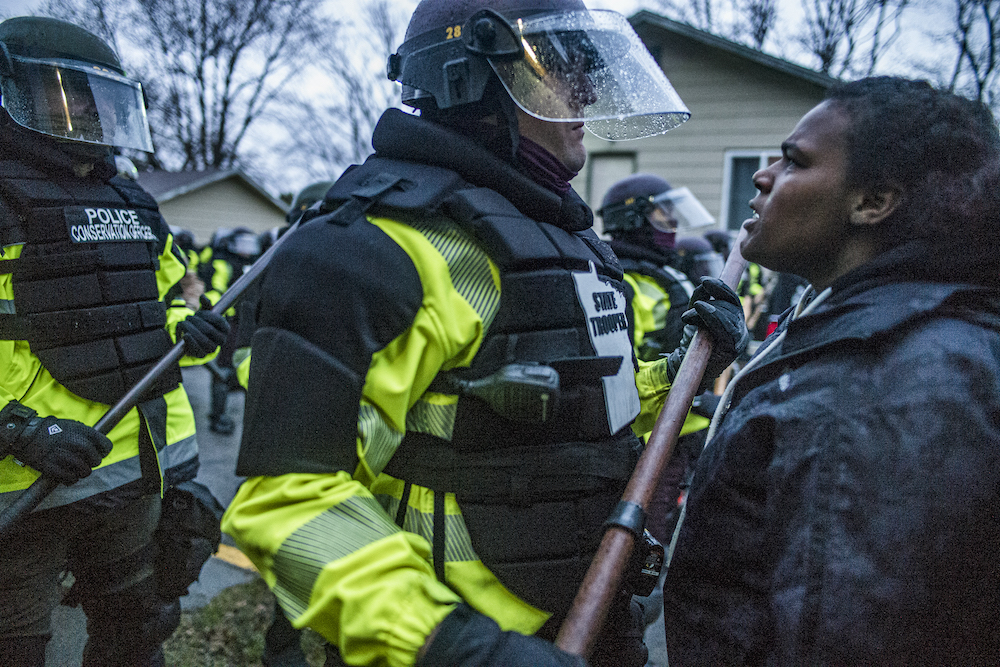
[(628, 204), (63, 81), (556, 59), (721, 241), (698, 258), (242, 242), (183, 238), (306, 197)]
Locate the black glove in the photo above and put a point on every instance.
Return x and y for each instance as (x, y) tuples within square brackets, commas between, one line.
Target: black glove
[(620, 641), (715, 307), (705, 404), (466, 638), (203, 332), (63, 450)]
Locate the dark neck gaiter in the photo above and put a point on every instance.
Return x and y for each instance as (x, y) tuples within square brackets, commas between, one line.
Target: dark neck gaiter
[(543, 167)]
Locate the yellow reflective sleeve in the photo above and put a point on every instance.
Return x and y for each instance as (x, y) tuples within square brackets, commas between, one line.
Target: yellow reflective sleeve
[(241, 359), (339, 565), (9, 372), (653, 386), (650, 304), (332, 552), (171, 270)]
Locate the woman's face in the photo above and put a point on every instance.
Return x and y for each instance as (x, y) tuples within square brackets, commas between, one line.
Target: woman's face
[(803, 207)]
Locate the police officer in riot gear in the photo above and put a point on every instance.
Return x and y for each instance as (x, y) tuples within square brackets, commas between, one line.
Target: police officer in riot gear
[(440, 409), (642, 224), (638, 214), (89, 303)]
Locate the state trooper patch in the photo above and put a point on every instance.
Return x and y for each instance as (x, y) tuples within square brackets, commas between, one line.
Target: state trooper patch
[(604, 305)]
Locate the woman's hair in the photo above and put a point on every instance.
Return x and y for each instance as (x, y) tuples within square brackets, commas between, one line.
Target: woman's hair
[(941, 150)]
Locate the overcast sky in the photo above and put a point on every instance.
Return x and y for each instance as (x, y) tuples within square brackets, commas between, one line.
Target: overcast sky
[(930, 13)]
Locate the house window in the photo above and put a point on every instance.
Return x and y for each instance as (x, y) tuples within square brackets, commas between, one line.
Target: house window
[(738, 187), (604, 170)]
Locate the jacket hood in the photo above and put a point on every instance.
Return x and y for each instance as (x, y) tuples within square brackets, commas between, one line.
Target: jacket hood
[(403, 136), (947, 260)]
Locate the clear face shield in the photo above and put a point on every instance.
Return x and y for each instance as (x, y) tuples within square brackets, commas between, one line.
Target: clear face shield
[(590, 66), (70, 100), (678, 210)]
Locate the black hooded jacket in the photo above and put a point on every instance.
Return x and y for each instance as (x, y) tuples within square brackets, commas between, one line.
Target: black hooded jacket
[(847, 509)]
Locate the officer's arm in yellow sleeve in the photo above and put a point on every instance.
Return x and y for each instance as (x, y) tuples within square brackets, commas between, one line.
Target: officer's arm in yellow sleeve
[(168, 276), (333, 555)]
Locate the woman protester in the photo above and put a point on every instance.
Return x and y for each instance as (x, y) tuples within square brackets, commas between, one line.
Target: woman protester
[(845, 509)]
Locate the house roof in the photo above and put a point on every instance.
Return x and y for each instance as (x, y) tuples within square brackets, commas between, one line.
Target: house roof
[(166, 185), (653, 20)]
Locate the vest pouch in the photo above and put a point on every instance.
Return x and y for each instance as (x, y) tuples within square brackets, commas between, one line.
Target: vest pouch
[(128, 286), (57, 265), (68, 327), (103, 370), (186, 536), (127, 255), (57, 293), (106, 388), (143, 347), (319, 397), (75, 361), (541, 552)]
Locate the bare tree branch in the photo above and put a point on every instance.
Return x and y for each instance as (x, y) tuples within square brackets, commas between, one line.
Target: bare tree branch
[(212, 69)]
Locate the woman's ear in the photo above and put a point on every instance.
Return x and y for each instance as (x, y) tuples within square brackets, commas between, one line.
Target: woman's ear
[(871, 208)]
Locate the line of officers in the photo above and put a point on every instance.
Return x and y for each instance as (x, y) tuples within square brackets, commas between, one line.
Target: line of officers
[(433, 436)]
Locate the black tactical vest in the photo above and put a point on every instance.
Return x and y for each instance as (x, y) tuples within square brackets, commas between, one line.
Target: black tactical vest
[(534, 495), (85, 292)]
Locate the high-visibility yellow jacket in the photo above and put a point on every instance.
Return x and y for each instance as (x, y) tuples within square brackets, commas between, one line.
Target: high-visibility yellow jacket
[(25, 379), (326, 543), (650, 304)]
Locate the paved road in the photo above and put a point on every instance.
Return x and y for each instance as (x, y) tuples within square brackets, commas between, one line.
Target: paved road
[(218, 462)]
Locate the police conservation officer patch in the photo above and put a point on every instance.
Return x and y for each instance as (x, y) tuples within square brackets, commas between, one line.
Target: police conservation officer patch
[(604, 306), (87, 224)]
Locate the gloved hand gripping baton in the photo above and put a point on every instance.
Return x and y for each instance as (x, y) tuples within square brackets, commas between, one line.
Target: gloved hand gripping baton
[(43, 486)]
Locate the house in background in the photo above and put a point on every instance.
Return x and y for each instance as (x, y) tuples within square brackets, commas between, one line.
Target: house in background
[(204, 201), (743, 104)]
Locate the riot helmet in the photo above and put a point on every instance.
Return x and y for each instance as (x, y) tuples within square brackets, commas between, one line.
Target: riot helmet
[(698, 258), (243, 243), (306, 197), (557, 60), (646, 198), (63, 81), (636, 201), (721, 241), (183, 238)]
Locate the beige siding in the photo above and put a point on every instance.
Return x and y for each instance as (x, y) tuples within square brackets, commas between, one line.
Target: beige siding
[(735, 104), (228, 203)]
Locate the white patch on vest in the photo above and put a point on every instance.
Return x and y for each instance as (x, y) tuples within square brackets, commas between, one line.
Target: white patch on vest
[(784, 381), (604, 306), (93, 225), (54, 429)]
